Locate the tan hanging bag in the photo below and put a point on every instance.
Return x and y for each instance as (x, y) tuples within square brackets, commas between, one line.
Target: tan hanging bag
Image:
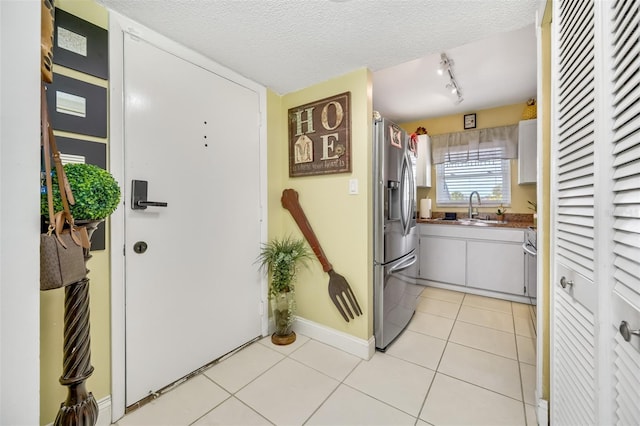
[(61, 250)]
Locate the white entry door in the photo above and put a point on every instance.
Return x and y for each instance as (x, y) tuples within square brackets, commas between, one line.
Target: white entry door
[(194, 293)]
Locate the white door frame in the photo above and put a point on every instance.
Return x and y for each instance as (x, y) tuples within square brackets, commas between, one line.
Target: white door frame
[(19, 212), (118, 25)]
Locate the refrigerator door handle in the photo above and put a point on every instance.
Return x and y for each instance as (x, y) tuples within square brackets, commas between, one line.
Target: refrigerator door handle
[(528, 249), (406, 205), (403, 265)]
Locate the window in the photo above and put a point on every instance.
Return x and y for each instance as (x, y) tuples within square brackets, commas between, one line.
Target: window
[(491, 177)]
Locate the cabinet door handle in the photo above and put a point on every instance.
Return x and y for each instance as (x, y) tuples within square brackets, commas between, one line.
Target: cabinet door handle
[(564, 282), (626, 331)]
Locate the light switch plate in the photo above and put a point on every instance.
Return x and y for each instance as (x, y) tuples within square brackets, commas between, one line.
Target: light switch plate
[(353, 186)]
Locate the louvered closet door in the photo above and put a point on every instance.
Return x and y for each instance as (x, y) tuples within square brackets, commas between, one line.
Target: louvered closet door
[(574, 346), (623, 24)]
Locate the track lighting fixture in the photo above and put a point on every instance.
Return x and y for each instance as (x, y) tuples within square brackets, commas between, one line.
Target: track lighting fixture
[(446, 67)]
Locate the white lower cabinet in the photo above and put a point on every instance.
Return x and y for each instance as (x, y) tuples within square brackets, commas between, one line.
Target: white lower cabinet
[(481, 260), (497, 266), (441, 265)]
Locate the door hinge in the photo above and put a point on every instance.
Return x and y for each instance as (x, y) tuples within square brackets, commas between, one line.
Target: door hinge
[(133, 34), (261, 308), (124, 249)]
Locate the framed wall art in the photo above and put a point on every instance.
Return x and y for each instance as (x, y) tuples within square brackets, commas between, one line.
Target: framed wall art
[(77, 106), (80, 45), (320, 137), (470, 121)]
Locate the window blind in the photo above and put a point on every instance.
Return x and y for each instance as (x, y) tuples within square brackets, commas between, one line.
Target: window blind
[(494, 143), (455, 181)]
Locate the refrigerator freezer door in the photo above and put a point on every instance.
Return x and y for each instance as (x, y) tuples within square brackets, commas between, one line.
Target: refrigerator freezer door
[(395, 298), (396, 244)]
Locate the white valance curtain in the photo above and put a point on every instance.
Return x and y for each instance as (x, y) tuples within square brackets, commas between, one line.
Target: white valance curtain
[(475, 145)]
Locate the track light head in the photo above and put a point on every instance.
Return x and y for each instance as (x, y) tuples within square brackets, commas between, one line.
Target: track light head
[(446, 65)]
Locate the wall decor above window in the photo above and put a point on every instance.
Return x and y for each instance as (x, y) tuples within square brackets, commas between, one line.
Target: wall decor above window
[(80, 45), (470, 121), (320, 137)]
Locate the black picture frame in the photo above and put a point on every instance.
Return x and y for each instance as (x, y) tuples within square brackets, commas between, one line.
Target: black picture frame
[(94, 122), (469, 121), (95, 59)]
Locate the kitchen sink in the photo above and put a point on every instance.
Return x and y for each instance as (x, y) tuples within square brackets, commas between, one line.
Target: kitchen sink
[(473, 222), (479, 222)]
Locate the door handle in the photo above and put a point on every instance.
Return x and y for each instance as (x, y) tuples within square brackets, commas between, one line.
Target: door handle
[(139, 196), (564, 282), (527, 249), (626, 331), (144, 204), (404, 265)]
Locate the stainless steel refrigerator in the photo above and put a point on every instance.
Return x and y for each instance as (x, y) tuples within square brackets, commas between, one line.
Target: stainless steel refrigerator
[(395, 234)]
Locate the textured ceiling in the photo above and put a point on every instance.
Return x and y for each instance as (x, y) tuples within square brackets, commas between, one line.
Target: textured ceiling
[(287, 45)]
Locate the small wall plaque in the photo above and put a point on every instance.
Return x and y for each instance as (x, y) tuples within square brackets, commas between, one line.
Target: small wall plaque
[(470, 121)]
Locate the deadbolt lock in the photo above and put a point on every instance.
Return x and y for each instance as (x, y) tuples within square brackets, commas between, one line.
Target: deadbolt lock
[(140, 247)]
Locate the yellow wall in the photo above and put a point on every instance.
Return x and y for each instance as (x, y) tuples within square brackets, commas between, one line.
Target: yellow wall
[(52, 393), (342, 222), (494, 117)]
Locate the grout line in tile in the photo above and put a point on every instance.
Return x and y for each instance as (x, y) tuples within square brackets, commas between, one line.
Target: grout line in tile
[(381, 401), (321, 404), (484, 308), (515, 338), (424, 401), (212, 408), (252, 380), (486, 352), (484, 326), (241, 402), (533, 315), (478, 386)]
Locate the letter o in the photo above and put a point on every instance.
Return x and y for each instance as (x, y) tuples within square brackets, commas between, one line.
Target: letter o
[(325, 115)]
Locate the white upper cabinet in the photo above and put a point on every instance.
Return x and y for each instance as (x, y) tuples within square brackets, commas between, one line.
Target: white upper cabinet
[(423, 166), (527, 152)]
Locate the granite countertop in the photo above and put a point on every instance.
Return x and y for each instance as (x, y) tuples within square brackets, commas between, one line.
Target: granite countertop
[(511, 220)]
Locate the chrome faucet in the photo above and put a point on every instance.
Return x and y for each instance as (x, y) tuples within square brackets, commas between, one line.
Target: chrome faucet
[(471, 213)]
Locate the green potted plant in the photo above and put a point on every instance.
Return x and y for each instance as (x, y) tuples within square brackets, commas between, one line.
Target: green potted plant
[(500, 213), (281, 259), (95, 191)]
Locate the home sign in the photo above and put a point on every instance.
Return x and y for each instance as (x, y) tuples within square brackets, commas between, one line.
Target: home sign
[(320, 137)]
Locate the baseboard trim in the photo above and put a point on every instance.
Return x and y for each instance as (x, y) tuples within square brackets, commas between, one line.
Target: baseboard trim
[(542, 412), (104, 411), (359, 347)]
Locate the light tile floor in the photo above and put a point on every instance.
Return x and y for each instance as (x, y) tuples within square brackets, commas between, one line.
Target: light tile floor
[(463, 360)]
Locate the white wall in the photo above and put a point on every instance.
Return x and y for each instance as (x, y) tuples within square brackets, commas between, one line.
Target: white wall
[(19, 212)]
